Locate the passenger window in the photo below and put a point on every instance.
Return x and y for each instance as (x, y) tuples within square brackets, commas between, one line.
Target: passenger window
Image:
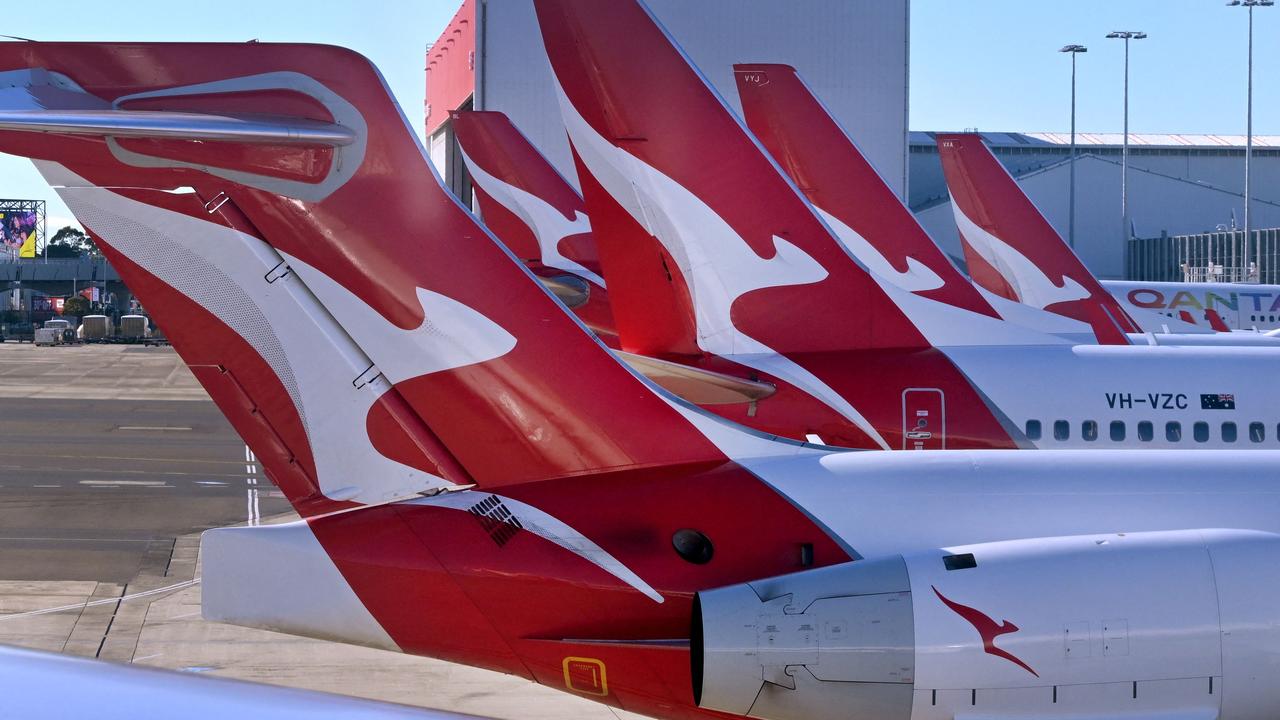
[(1146, 431), (1173, 431), (1061, 430), (1117, 430), (1257, 432), (1089, 430), (1200, 431), (1033, 429), (1228, 432)]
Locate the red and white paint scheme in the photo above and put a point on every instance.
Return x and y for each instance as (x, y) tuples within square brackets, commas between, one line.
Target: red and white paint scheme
[(1036, 268), (536, 213), (271, 206), (867, 217), (1238, 306), (1014, 252), (540, 218), (678, 186)]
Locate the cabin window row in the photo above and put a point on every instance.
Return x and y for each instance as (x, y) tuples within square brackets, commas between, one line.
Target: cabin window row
[(1118, 431), (1252, 318)]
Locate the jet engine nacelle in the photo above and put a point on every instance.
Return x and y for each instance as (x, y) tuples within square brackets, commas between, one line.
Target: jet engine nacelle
[(1161, 624)]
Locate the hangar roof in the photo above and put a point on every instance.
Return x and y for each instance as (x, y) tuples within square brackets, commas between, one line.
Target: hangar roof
[(1163, 140)]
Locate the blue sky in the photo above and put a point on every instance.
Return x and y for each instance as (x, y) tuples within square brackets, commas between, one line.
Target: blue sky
[(990, 64), (995, 65)]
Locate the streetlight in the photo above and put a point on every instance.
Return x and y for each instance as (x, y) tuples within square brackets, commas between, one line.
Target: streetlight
[(1248, 136), (1071, 204), (1125, 35)]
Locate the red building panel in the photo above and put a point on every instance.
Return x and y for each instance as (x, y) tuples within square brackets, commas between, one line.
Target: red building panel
[(451, 63)]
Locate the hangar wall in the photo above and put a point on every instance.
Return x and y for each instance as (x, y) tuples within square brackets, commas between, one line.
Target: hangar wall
[(854, 53), (1189, 187)]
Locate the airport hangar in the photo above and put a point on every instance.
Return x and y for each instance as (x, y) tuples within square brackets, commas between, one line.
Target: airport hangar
[(855, 57), (858, 62), (1178, 185)]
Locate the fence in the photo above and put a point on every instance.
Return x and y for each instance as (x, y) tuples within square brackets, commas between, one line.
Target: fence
[(1205, 257)]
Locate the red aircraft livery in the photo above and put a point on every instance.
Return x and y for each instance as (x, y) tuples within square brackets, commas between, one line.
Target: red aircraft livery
[(480, 480)]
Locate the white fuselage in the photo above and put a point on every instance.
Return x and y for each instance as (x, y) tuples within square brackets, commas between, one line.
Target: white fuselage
[(1242, 306), (883, 503), (1113, 396)]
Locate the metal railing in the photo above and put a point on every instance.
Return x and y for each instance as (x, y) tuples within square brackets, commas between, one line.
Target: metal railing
[(1206, 257)]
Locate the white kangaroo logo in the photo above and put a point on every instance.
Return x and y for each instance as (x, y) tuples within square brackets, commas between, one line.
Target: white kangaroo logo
[(1032, 286), (716, 262), (548, 224)]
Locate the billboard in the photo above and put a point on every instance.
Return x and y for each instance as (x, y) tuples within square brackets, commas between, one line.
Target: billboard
[(18, 232)]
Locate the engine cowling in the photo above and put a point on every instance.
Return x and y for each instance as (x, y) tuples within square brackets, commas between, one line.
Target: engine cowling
[(1184, 622)]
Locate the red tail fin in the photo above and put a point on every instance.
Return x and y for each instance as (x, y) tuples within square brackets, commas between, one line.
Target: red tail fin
[(1013, 251), (771, 287), (1215, 321), (533, 210), (663, 146), (832, 172), (364, 334)]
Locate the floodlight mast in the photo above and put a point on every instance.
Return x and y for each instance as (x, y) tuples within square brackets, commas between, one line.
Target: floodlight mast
[(1125, 225), (1248, 136), (1071, 204)]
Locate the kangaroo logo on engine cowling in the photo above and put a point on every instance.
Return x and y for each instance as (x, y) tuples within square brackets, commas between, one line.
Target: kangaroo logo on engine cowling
[(988, 629)]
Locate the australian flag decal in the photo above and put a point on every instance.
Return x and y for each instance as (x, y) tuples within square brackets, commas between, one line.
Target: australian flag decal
[(1217, 402)]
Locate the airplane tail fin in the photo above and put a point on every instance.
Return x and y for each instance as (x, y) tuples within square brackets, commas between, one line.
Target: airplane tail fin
[(272, 209), (1012, 251), (535, 212), (1215, 320), (864, 213), (675, 168)]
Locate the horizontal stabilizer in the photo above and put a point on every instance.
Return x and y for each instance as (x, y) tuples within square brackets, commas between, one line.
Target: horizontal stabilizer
[(162, 125), (279, 578), (37, 100), (364, 356), (698, 386)]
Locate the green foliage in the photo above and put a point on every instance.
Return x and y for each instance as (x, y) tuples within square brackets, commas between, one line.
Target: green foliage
[(75, 305), (70, 242)]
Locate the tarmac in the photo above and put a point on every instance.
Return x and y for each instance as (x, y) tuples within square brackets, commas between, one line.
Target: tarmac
[(112, 461)]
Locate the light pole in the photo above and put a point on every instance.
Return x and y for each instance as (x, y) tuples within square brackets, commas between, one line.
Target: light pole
[(1248, 133), (1071, 203), (1125, 35)]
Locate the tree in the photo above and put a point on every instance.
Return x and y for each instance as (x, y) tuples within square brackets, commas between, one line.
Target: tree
[(75, 305), (68, 243)]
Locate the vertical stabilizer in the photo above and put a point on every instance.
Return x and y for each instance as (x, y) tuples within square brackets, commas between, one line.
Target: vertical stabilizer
[(1012, 251), (827, 166), (535, 212)]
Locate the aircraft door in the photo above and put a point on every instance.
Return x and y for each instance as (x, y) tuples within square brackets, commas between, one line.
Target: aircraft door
[(924, 422)]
